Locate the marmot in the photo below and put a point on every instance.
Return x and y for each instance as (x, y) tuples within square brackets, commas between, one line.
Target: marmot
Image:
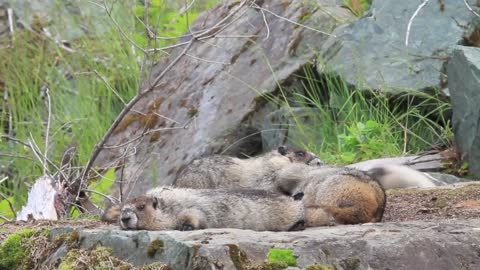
[(350, 195), (227, 172), (167, 208)]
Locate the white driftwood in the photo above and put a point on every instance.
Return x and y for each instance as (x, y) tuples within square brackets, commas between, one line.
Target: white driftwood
[(41, 201), (431, 162)]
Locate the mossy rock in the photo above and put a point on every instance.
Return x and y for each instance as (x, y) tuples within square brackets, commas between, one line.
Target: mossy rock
[(14, 250)]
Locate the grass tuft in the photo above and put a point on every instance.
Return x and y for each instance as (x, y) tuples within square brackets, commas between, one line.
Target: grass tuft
[(345, 125)]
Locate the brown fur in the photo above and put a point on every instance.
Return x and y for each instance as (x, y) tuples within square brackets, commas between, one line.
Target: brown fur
[(189, 209), (227, 172), (350, 195), (111, 214)]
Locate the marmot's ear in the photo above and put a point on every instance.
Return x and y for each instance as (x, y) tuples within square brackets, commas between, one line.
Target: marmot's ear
[(282, 150)]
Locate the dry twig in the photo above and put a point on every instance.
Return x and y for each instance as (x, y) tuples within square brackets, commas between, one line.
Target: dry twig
[(10, 205), (407, 36), (470, 8)]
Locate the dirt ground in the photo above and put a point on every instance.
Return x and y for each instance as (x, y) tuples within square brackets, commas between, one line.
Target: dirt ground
[(462, 202)]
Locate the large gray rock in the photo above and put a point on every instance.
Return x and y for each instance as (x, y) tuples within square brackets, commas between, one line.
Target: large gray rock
[(69, 19), (208, 99), (452, 244), (464, 84), (371, 51)]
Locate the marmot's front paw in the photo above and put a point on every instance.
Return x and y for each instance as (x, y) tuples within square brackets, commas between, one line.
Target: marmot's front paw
[(298, 196), (298, 226), (187, 227)]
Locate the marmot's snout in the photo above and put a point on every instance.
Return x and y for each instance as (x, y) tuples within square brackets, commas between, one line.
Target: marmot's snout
[(128, 219)]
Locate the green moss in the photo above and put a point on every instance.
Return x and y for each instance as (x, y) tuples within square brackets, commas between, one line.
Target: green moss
[(69, 260), (239, 257), (270, 266), (100, 257), (351, 263), (71, 239), (319, 267), (156, 266), (276, 255), (192, 112), (14, 250), (155, 245)]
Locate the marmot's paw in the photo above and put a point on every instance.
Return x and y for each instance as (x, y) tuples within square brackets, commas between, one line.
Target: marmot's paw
[(187, 227), (298, 196), (298, 226)]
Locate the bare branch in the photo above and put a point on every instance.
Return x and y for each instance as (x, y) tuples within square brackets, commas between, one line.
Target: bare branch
[(109, 87), (111, 199), (5, 218), (10, 20), (470, 8), (255, 6), (109, 13), (127, 108), (407, 36), (207, 61), (10, 205), (14, 140), (266, 24), (17, 156), (36, 151), (47, 131)]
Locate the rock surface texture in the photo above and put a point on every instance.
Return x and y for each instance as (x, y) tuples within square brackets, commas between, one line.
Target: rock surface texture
[(206, 103), (453, 244), (464, 84), (372, 51), (435, 228)]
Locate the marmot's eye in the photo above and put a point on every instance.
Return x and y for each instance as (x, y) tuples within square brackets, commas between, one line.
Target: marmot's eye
[(300, 153), (140, 207)]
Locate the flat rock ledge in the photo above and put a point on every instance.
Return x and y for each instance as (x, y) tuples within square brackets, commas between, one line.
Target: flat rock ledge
[(446, 244)]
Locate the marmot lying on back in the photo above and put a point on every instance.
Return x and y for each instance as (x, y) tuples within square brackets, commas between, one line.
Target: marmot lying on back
[(350, 195), (168, 208), (227, 172)]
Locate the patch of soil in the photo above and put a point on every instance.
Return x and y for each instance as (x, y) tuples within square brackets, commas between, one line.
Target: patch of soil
[(462, 202)]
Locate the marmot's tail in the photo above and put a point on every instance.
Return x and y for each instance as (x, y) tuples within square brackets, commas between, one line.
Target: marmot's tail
[(397, 176)]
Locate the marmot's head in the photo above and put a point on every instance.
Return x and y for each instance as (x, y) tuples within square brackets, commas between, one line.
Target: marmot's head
[(300, 156), (144, 213)]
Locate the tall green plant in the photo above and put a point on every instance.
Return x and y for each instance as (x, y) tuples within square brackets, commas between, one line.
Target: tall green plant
[(87, 86), (346, 125)]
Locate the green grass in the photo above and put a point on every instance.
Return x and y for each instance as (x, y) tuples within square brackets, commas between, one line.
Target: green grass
[(87, 88), (344, 125)]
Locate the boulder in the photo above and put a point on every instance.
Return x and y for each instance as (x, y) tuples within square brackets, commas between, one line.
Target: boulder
[(66, 20), (430, 228), (371, 52), (449, 244), (213, 100), (463, 72)]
